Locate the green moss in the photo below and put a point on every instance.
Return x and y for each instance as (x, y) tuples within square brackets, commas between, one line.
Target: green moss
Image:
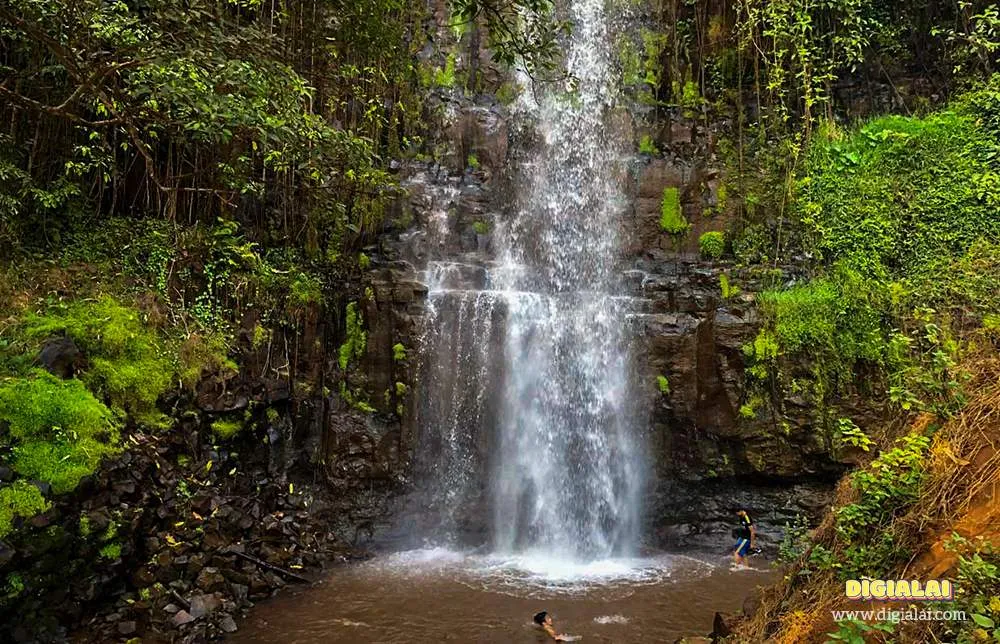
[(481, 227), (306, 290), (647, 146), (128, 361), (672, 219), (663, 384), (84, 526), (712, 244), (722, 199), (201, 354), (356, 339), (15, 585), (20, 499), (59, 431), (226, 429), (472, 161), (398, 352), (111, 551)]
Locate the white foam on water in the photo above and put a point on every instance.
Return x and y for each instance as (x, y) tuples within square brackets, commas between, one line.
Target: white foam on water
[(611, 619), (535, 574)]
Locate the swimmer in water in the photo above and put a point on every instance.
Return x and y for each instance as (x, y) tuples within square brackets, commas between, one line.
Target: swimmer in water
[(544, 620)]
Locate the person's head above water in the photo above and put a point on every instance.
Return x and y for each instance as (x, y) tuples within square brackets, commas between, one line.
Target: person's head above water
[(542, 617)]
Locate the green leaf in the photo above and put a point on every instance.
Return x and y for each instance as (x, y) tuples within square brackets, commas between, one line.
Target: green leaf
[(983, 620)]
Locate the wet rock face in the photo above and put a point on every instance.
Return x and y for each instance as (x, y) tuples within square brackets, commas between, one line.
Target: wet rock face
[(704, 451), (708, 457)]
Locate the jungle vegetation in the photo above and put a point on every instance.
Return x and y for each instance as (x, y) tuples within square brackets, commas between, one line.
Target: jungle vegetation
[(167, 165)]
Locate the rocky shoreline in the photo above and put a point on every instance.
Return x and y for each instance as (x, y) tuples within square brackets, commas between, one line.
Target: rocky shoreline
[(174, 541)]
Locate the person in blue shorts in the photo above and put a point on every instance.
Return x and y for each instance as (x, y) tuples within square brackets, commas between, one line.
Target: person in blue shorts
[(745, 535)]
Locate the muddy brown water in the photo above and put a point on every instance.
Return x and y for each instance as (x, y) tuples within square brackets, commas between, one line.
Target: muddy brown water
[(440, 596)]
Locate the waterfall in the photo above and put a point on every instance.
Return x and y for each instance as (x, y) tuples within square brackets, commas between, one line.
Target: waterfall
[(527, 386)]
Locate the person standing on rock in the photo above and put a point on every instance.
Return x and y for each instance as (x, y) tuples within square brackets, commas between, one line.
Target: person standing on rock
[(746, 536)]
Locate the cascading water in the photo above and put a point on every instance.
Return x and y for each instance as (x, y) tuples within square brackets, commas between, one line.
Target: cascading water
[(551, 393), (527, 440)]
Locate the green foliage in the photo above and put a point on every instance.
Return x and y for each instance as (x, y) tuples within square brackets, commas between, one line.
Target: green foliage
[(722, 199), (761, 354), (111, 551), (836, 321), (127, 360), (672, 219), (856, 631), (398, 352), (889, 485), (663, 384), (648, 146), (977, 589), (902, 215), (198, 355), (307, 290), (690, 99), (849, 434), (929, 379), (355, 398), (15, 585), (58, 431), (794, 541), (653, 44), (902, 195), (728, 289), (973, 47), (355, 337), (220, 90), (712, 244), (19, 499), (823, 559), (802, 46), (481, 227), (226, 428), (520, 31)]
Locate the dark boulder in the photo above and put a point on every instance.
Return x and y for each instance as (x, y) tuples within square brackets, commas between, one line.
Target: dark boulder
[(61, 357)]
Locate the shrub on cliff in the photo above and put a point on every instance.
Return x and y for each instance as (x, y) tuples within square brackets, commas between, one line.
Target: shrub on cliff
[(712, 244), (901, 214), (900, 196)]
